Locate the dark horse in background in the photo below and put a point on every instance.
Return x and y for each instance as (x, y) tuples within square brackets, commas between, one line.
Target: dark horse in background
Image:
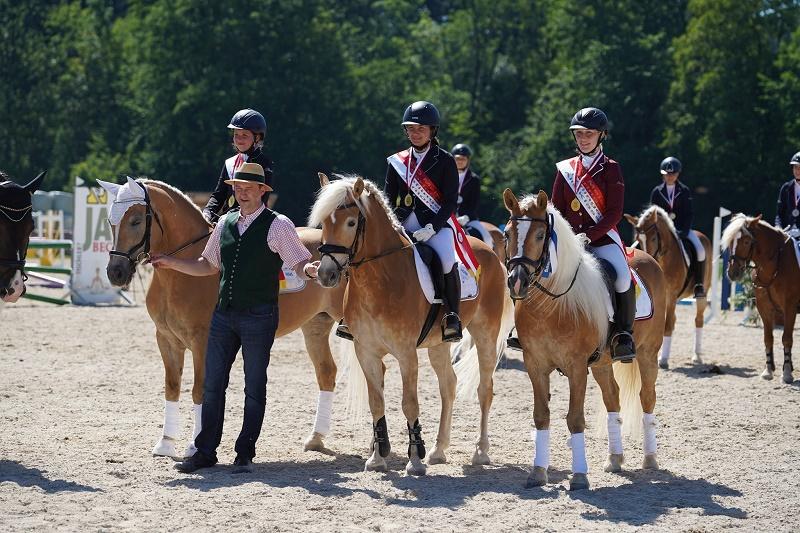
[(16, 226)]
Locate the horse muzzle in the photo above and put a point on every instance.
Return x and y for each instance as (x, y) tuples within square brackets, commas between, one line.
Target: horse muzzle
[(329, 274), (120, 271), (518, 283), (735, 272)]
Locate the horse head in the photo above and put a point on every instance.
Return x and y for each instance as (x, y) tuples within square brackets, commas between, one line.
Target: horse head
[(648, 230), (740, 237), (131, 217), (527, 237), (16, 226)]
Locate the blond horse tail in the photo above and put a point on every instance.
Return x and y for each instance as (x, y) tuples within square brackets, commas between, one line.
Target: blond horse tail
[(629, 379), (468, 368), (352, 382)]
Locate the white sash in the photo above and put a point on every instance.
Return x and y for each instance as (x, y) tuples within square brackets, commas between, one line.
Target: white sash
[(416, 187), (233, 163)]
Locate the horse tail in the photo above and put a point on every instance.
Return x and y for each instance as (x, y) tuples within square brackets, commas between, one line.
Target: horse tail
[(352, 382), (467, 368), (629, 379)]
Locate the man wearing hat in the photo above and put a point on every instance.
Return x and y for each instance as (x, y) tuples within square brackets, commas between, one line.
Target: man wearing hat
[(247, 247), (788, 213)]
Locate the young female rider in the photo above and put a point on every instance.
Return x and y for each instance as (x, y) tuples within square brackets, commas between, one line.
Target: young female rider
[(589, 192), (249, 128), (674, 197)]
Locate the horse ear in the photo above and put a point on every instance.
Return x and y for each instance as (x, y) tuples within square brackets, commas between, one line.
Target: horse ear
[(358, 187), (757, 218), (35, 183), (323, 179), (541, 199), (511, 203), (112, 188), (632, 220)]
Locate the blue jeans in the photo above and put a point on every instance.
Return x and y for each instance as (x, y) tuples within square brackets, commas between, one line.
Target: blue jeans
[(252, 330)]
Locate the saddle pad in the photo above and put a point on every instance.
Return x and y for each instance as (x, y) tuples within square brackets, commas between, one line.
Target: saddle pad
[(469, 285), (796, 241), (290, 281), (644, 305), (685, 253)]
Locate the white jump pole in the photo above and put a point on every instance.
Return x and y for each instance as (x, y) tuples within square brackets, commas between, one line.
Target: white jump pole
[(716, 253)]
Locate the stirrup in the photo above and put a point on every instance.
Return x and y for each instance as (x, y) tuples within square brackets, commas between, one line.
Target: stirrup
[(343, 331), (622, 352), (699, 291), (513, 343), (452, 333)]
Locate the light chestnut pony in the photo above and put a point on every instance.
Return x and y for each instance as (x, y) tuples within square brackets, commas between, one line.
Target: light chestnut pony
[(561, 330), (656, 234), (181, 306), (776, 278), (498, 240), (385, 310)]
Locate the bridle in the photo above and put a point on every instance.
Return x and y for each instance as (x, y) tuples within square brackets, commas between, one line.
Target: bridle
[(16, 215), (748, 259), (533, 268), (654, 226), (327, 250), (144, 243)]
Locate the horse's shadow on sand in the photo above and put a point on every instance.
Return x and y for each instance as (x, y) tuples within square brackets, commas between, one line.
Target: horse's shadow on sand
[(33, 477), (705, 371)]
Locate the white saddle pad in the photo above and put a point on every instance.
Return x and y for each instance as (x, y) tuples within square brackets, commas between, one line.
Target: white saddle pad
[(290, 281), (684, 252), (644, 305), (469, 285)]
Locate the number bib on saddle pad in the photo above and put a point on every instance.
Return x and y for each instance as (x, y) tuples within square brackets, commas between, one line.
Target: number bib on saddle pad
[(644, 304), (469, 285), (290, 281)]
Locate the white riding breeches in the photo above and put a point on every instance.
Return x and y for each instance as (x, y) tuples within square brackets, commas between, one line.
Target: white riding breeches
[(442, 242), (482, 231), (698, 246), (614, 255)]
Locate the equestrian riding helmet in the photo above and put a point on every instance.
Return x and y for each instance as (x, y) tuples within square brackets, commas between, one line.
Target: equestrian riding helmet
[(589, 118), (795, 159), (670, 165), (423, 113), (249, 119), (461, 149)]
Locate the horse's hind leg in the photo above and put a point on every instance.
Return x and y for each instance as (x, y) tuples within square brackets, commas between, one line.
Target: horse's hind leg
[(766, 310), (648, 371), (316, 334), (172, 355), (669, 327), (789, 316), (604, 376), (440, 361), (700, 308), (486, 344)]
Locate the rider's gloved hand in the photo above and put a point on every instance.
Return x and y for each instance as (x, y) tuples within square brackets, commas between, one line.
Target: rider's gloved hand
[(463, 220), (424, 234)]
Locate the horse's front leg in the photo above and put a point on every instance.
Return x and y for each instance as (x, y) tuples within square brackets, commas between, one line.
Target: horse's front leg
[(315, 333), (700, 305), (576, 424), (371, 362), (604, 376), (540, 380), (440, 361), (172, 356), (766, 310), (409, 370), (669, 327), (789, 316)]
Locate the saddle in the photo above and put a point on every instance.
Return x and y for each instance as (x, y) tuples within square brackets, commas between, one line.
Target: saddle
[(690, 256), (472, 232)]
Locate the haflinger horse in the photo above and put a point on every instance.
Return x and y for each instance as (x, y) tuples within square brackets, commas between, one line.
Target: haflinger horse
[(385, 309), (153, 217), (498, 240), (562, 319), (16, 226), (656, 234), (771, 250)]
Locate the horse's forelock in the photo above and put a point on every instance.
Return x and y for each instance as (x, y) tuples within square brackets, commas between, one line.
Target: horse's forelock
[(734, 228), (338, 191)]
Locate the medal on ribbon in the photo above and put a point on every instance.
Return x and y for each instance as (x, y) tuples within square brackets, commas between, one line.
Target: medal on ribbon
[(408, 200), (575, 205), (672, 216)]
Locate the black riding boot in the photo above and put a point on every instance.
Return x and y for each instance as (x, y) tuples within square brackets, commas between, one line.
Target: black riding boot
[(699, 274), (343, 331), (622, 346), (451, 324)]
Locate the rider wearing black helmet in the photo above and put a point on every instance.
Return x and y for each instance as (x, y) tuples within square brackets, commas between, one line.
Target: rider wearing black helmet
[(469, 191), (674, 197), (788, 212), (249, 129)]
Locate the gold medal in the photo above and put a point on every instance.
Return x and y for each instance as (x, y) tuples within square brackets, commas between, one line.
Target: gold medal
[(575, 205), (408, 200)]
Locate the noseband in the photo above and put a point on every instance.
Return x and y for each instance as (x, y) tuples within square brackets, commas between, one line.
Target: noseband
[(144, 244), (749, 259), (16, 215), (532, 268)]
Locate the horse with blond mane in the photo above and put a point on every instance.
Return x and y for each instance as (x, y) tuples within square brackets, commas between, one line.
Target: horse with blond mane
[(770, 254), (657, 235), (385, 309), (562, 319), (153, 217)]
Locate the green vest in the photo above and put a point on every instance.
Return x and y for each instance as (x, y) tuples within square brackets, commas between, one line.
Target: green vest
[(250, 271)]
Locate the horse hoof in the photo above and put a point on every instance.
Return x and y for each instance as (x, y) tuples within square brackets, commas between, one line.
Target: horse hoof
[(480, 457), (314, 443), (437, 457), (579, 482), (650, 462), (664, 365), (373, 465), (537, 477), (165, 447), (787, 377), (416, 469), (766, 374), (697, 360), (614, 462)]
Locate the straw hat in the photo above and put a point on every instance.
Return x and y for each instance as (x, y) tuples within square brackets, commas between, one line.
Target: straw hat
[(250, 173)]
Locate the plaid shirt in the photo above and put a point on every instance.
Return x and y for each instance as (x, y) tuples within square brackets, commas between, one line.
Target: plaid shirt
[(281, 239)]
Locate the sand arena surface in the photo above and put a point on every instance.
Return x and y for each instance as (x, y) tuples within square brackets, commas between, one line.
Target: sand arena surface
[(82, 394)]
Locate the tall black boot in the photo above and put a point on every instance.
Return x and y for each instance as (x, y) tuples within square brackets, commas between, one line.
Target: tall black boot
[(622, 346), (699, 271), (451, 323)]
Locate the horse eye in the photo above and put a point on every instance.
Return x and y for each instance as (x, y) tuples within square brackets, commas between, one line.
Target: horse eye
[(351, 223), (136, 222), (540, 236)]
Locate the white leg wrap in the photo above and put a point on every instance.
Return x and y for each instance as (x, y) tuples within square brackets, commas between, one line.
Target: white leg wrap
[(578, 445), (542, 457), (171, 419), (649, 426), (698, 340), (322, 423), (614, 433), (666, 346), (198, 420)]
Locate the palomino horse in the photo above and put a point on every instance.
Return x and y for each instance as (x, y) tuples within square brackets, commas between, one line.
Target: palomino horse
[(776, 273), (16, 226), (562, 319), (657, 236), (385, 309), (165, 222)]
